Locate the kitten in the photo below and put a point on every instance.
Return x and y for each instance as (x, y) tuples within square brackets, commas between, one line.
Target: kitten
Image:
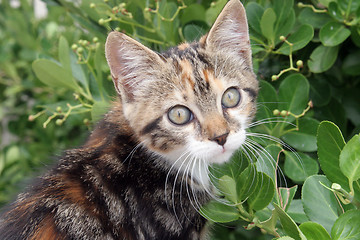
[(143, 173)]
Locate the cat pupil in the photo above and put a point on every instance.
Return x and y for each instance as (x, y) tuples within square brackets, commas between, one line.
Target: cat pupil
[(231, 98)]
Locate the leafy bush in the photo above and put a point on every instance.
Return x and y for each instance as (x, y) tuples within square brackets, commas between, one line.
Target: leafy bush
[(297, 176)]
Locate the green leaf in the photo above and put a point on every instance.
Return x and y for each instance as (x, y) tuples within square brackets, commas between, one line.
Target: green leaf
[(333, 33), (294, 93), (347, 226), (320, 204), (305, 138), (317, 20), (193, 12), (299, 39), (285, 196), (53, 75), (64, 55), (314, 231), (330, 142), (254, 13), (320, 91), (227, 187), (348, 6), (263, 193), (299, 166), (267, 24), (289, 225), (351, 64), (246, 183), (214, 10), (266, 162), (99, 109), (193, 32), (219, 212), (322, 58), (335, 112), (296, 211), (285, 20), (350, 159), (335, 11), (267, 101)]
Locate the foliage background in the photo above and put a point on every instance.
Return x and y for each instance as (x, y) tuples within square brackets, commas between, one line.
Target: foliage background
[(54, 85)]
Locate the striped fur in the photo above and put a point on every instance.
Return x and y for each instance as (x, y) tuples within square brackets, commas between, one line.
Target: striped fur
[(139, 176)]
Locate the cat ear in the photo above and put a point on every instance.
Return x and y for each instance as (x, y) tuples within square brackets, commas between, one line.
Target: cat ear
[(131, 64), (230, 33)]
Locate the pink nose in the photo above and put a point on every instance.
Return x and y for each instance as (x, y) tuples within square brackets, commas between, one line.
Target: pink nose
[(221, 140)]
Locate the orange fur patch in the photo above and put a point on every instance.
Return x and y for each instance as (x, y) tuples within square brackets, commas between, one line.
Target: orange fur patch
[(46, 230)]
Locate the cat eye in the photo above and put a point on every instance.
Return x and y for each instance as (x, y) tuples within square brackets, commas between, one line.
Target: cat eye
[(180, 115), (230, 98)]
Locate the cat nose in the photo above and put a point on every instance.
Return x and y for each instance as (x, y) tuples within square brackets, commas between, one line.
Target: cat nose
[(221, 140)]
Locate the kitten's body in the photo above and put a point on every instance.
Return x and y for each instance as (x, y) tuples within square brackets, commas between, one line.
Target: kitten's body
[(143, 173)]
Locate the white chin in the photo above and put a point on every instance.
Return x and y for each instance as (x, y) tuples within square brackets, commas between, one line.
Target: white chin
[(221, 157)]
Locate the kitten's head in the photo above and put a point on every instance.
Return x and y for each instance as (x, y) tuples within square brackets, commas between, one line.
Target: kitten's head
[(194, 101)]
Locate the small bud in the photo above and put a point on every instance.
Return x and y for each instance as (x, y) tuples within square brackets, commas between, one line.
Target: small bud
[(299, 64), (282, 38), (336, 186), (122, 5), (276, 112), (74, 46), (80, 50), (212, 4), (86, 121), (311, 104), (117, 29), (106, 1), (284, 113), (95, 39), (92, 5), (274, 77), (101, 21), (59, 122), (109, 77), (59, 109), (31, 118), (300, 4)]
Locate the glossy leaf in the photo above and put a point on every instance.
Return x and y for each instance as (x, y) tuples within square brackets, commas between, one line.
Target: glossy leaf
[(267, 101), (263, 193), (317, 20), (350, 159), (254, 13), (314, 231), (296, 211), (285, 17), (289, 225), (320, 204), (227, 187), (193, 12), (267, 24), (219, 212), (351, 64), (330, 142), (320, 92), (322, 58), (347, 226), (333, 33), (335, 11), (267, 161), (299, 39), (299, 166), (246, 183), (303, 139), (294, 93)]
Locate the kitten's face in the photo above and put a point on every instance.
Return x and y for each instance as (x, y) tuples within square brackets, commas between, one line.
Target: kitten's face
[(194, 101)]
